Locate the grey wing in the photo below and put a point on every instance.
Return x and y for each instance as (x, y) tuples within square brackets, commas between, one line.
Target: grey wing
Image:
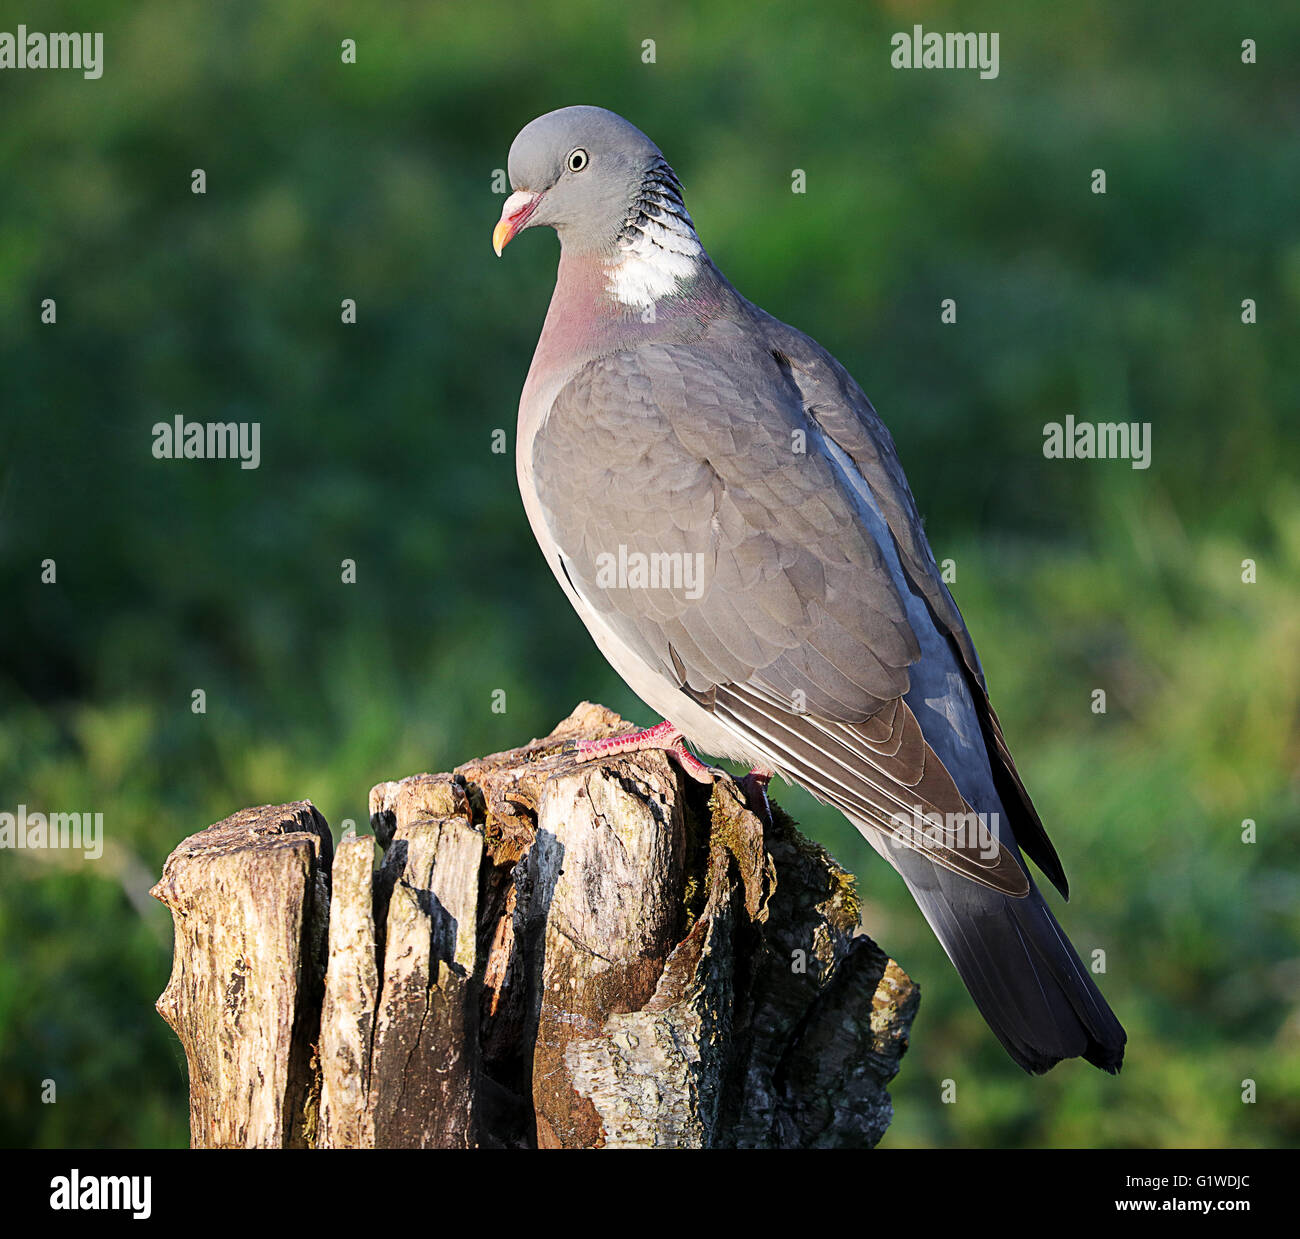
[(693, 512), (838, 409)]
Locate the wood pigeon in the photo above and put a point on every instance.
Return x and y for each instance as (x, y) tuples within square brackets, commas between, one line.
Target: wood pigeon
[(728, 515)]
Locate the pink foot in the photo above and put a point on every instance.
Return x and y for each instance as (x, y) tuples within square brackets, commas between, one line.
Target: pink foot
[(663, 736)]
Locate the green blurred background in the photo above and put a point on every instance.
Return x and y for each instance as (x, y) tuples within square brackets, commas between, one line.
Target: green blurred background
[(375, 181)]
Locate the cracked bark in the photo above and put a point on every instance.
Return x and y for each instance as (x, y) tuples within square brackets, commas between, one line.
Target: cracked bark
[(549, 954)]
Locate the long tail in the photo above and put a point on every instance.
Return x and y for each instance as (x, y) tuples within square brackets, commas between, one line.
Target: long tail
[(1020, 968)]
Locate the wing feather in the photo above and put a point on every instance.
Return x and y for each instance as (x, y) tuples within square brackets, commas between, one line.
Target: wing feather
[(796, 634)]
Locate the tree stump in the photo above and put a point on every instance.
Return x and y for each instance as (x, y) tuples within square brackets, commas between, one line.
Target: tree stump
[(550, 954)]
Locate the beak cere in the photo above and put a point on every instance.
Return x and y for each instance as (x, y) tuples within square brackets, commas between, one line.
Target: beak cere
[(514, 217)]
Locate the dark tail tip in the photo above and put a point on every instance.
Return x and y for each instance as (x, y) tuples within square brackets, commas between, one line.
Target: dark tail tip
[(1021, 970)]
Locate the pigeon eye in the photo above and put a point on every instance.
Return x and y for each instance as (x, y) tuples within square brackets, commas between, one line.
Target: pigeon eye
[(578, 159)]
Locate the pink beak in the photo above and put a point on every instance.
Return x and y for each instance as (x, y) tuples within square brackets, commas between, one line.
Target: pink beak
[(514, 216)]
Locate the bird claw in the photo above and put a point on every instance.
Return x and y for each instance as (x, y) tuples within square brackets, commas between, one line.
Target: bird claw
[(753, 788), (695, 768)]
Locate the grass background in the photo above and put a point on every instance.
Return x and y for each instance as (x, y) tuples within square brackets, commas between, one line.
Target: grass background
[(374, 181)]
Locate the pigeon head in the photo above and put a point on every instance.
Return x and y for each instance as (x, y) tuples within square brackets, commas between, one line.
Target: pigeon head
[(609, 193)]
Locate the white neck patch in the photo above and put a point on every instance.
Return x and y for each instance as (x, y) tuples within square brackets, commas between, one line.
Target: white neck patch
[(658, 246)]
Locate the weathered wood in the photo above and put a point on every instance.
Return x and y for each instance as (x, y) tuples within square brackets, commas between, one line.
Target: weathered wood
[(351, 994), (249, 899), (551, 954), (602, 908), (425, 1060)]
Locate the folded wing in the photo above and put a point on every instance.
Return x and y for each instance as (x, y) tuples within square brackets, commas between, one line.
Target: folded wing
[(694, 509)]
